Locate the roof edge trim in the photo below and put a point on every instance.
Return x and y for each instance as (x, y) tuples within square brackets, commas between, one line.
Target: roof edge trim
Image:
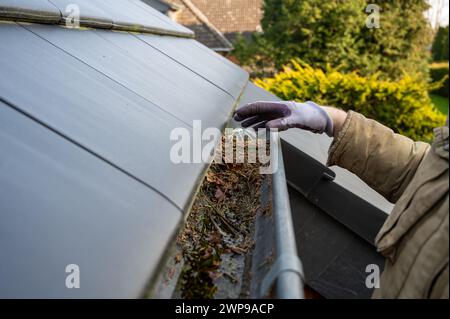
[(150, 30), (42, 17), (14, 14), (221, 49)]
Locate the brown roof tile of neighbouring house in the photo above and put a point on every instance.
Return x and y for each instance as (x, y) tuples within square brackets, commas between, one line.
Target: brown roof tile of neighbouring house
[(232, 17), (205, 32), (217, 23)]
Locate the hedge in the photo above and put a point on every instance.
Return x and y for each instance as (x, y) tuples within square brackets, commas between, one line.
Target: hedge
[(439, 71), (403, 105), (440, 45)]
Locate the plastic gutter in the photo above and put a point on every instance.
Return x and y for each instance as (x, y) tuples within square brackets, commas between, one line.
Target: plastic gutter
[(287, 271)]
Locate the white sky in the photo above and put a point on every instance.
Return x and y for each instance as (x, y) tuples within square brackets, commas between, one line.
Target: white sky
[(438, 13)]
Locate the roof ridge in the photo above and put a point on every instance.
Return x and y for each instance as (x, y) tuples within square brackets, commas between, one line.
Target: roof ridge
[(46, 12), (204, 19)]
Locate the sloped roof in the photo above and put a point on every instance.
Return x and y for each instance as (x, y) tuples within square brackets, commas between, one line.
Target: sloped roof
[(85, 122), (86, 116)]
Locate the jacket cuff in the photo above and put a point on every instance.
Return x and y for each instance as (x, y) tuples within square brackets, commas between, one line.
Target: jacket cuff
[(336, 145)]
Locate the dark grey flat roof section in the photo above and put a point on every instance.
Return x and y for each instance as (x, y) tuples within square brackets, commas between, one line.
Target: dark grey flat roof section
[(334, 257), (60, 205), (335, 190), (316, 182), (40, 11), (316, 146)]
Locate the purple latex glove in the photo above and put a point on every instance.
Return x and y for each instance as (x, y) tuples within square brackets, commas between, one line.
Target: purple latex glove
[(284, 115)]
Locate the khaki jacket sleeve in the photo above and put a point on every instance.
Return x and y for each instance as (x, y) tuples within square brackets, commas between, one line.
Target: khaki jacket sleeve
[(384, 160)]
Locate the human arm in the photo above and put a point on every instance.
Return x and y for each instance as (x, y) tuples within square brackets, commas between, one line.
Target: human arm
[(384, 160)]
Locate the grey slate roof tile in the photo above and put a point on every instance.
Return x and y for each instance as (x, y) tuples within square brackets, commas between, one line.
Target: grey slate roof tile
[(201, 60), (107, 117), (85, 123), (61, 205)]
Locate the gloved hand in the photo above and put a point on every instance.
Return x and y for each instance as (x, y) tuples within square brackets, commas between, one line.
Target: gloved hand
[(284, 115)]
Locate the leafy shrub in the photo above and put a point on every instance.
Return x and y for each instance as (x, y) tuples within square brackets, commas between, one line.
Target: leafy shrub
[(439, 73), (403, 105)]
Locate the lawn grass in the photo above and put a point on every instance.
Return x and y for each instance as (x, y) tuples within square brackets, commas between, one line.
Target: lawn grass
[(440, 102)]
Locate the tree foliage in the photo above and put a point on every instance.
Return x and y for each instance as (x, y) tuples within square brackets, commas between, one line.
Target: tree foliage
[(334, 32)]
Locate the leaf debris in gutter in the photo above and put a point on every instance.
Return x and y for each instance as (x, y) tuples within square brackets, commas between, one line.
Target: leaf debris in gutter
[(218, 233)]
